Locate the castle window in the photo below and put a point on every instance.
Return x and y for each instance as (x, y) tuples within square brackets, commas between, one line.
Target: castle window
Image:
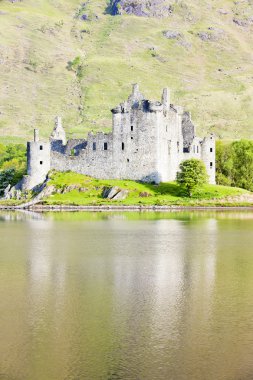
[(132, 138), (178, 146), (132, 128), (105, 146), (41, 162), (41, 147), (211, 164), (128, 160), (94, 146), (166, 128), (186, 150), (211, 150), (123, 146), (197, 148)]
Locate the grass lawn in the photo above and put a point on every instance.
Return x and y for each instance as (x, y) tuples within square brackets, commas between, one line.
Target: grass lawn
[(139, 193)]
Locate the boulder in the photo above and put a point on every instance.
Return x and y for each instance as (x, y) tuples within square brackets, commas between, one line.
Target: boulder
[(141, 8), (144, 194), (240, 22), (172, 34), (211, 35), (114, 193)]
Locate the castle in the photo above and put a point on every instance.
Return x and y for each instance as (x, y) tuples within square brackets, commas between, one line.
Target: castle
[(149, 140)]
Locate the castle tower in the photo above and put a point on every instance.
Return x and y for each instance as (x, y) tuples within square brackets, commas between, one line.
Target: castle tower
[(208, 157), (38, 161), (166, 99)]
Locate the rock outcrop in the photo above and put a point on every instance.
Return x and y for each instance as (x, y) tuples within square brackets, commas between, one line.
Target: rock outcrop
[(114, 193), (142, 8)]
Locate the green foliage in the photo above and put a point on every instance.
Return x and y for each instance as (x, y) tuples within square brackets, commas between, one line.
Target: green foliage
[(77, 67), (10, 151), (6, 178), (234, 164), (12, 164), (243, 164), (224, 163), (192, 175)]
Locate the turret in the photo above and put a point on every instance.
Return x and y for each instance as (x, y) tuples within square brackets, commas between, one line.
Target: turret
[(166, 99), (38, 161), (208, 157), (36, 135), (58, 131), (135, 90)]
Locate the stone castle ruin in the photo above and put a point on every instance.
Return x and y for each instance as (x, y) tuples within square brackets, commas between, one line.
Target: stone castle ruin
[(149, 140)]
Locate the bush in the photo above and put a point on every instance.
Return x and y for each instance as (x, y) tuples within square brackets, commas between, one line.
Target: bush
[(192, 175)]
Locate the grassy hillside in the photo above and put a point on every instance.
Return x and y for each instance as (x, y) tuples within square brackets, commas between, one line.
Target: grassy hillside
[(60, 57)]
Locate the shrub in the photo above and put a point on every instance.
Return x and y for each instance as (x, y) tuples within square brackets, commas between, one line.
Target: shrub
[(192, 175)]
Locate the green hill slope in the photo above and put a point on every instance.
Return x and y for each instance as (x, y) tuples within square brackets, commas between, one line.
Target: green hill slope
[(65, 58)]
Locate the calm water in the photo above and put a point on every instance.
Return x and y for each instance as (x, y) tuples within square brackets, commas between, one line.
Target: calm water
[(126, 296)]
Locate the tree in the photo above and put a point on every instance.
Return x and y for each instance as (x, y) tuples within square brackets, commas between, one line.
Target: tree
[(6, 178), (12, 164), (192, 175), (224, 163), (243, 164), (234, 164)]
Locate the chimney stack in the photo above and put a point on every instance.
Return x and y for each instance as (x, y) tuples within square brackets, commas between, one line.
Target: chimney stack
[(36, 135), (166, 98)]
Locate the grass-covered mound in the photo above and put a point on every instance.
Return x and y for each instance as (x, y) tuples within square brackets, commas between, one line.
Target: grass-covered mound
[(88, 191)]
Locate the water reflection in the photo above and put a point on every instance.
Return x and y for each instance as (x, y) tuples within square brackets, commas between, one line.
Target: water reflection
[(126, 296)]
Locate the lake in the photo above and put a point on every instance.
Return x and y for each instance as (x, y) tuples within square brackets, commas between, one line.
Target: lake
[(131, 296)]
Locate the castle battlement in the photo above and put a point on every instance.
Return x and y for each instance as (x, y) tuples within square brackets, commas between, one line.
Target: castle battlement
[(149, 140)]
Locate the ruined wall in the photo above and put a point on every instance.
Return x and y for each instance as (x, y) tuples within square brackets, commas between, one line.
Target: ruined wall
[(75, 146), (94, 160)]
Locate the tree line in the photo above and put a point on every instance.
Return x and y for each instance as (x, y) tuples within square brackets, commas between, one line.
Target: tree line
[(234, 164)]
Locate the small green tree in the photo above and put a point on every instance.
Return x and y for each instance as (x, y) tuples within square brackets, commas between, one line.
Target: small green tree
[(192, 175)]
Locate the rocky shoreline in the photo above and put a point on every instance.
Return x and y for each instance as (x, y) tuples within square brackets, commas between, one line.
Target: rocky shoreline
[(137, 208)]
